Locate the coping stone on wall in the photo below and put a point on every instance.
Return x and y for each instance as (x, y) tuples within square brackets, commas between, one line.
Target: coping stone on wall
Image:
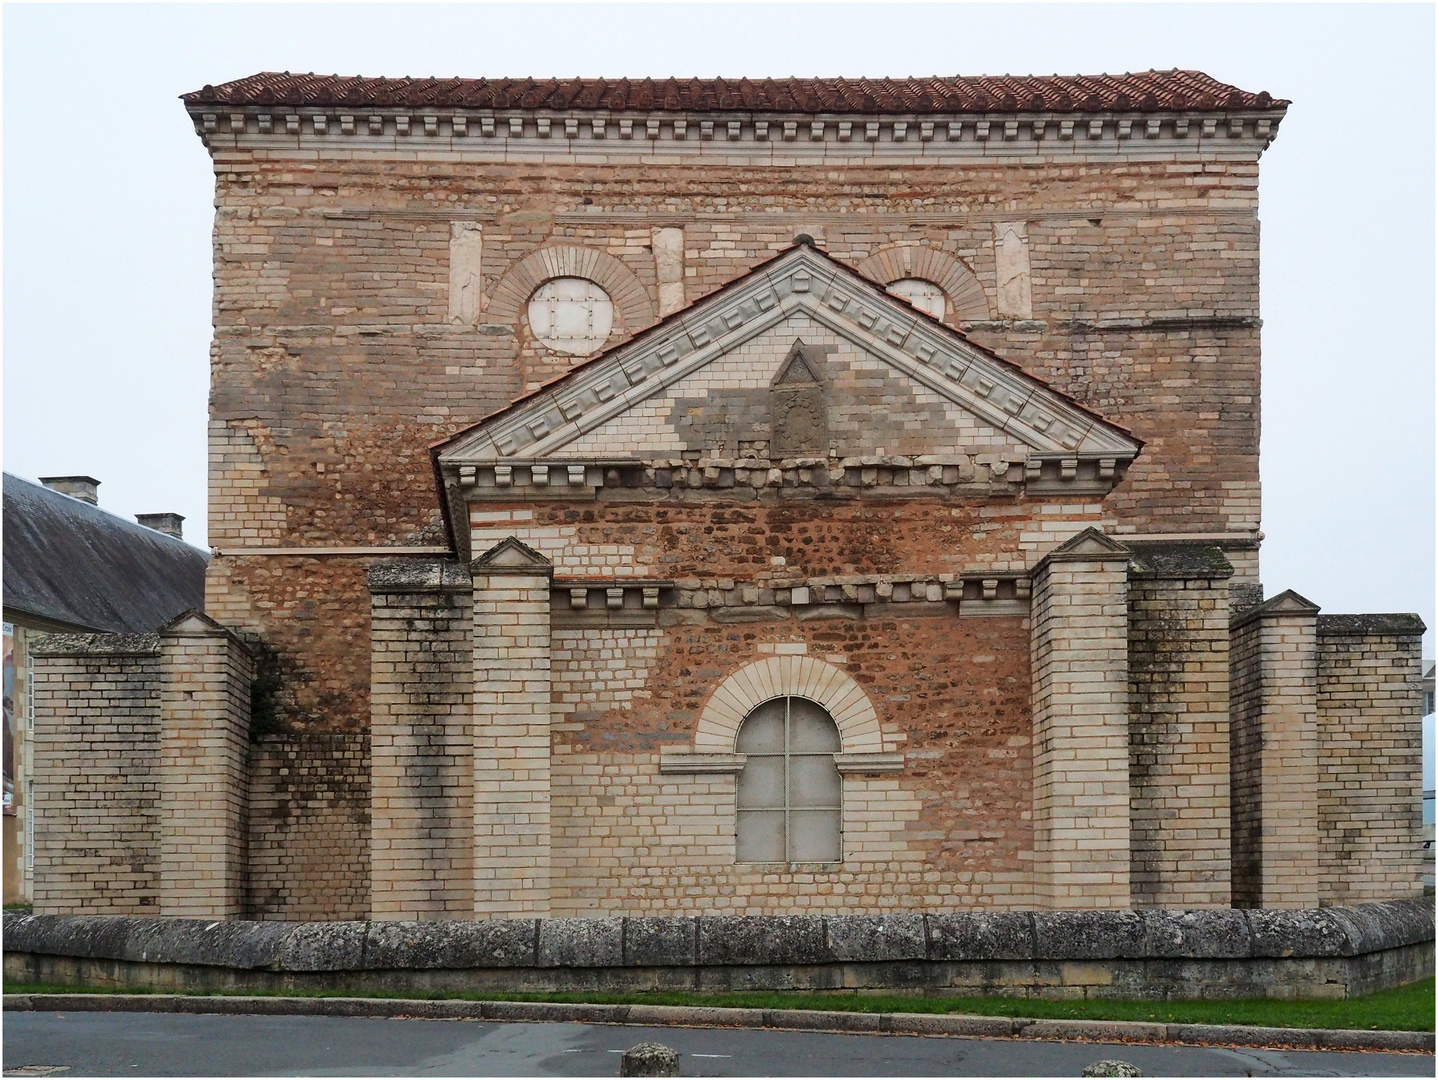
[(1177, 561), (96, 645), (999, 935), (1359, 625), (419, 575), (728, 940), (484, 943)]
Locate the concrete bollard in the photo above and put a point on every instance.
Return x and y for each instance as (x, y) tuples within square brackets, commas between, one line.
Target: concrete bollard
[(649, 1059)]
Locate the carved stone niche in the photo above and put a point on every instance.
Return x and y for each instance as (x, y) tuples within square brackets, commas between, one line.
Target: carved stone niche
[(798, 407)]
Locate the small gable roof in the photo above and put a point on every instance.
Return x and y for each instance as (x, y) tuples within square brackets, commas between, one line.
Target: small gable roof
[(72, 564)]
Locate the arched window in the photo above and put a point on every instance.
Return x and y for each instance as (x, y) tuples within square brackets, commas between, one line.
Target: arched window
[(924, 295), (571, 315), (790, 791)]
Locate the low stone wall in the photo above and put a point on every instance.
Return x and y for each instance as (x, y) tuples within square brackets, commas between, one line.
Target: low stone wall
[(1329, 952)]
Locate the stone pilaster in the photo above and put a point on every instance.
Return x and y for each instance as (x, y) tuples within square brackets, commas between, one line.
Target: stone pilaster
[(1080, 709), (1273, 739), (205, 676), (1178, 725), (512, 698), (421, 738)]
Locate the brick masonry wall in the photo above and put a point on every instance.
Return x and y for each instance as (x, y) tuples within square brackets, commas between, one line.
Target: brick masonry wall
[(952, 829), (1370, 772), (1178, 660), (97, 779), (309, 830), (422, 785), (336, 362)]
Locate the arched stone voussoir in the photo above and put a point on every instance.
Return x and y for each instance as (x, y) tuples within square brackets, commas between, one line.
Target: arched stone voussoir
[(630, 298), (797, 676), (967, 300)]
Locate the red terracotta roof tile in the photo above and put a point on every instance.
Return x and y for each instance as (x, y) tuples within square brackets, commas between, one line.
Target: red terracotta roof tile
[(1142, 91)]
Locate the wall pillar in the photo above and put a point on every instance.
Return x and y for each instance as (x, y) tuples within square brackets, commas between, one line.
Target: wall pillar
[(1273, 739), (1080, 702), (512, 832), (205, 676), (421, 739), (1178, 726)]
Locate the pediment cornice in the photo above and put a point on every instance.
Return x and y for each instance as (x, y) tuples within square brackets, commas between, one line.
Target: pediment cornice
[(539, 426)]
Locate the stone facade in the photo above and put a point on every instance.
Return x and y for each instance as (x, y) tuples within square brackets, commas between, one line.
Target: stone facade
[(946, 428)]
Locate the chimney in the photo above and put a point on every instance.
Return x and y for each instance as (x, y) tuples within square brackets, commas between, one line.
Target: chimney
[(169, 524), (84, 488)]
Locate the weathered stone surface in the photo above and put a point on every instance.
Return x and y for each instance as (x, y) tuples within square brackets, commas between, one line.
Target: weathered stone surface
[(1007, 935), (1088, 935), (416, 575), (649, 1059), (581, 942), (1178, 947), (1204, 933), (334, 946), (1296, 932), (876, 937), (1112, 1068), (497, 943), (762, 939), (660, 942)]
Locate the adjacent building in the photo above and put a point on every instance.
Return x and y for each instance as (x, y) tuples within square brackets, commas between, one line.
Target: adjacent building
[(72, 568)]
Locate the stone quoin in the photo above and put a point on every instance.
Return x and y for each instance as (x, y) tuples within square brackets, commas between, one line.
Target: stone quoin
[(729, 498)]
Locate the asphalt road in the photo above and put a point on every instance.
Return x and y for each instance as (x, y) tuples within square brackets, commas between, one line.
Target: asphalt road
[(178, 1044)]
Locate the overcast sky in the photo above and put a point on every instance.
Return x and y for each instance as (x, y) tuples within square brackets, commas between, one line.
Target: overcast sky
[(107, 214)]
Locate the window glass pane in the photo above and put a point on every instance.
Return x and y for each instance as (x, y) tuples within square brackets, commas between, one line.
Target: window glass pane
[(763, 731), (814, 836), (810, 728), (761, 836), (813, 781), (762, 783)]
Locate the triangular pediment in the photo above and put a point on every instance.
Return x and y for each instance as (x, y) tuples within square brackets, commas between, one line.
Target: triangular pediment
[(514, 555), (800, 369), (1088, 546), (767, 332)]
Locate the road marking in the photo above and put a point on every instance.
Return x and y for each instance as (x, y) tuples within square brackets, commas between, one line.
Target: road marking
[(712, 1055)]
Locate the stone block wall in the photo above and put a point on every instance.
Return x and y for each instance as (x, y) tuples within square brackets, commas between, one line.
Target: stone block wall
[(422, 781), (1370, 745), (1178, 660), (97, 774)]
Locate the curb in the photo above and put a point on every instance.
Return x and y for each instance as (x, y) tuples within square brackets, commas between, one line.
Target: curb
[(1128, 1031)]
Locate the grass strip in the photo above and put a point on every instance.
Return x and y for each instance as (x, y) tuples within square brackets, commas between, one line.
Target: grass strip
[(1404, 1008)]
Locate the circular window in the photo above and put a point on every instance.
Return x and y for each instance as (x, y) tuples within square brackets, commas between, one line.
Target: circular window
[(924, 295), (571, 315)]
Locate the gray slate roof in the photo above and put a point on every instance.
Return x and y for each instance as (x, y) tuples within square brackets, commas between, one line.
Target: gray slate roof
[(69, 562)]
